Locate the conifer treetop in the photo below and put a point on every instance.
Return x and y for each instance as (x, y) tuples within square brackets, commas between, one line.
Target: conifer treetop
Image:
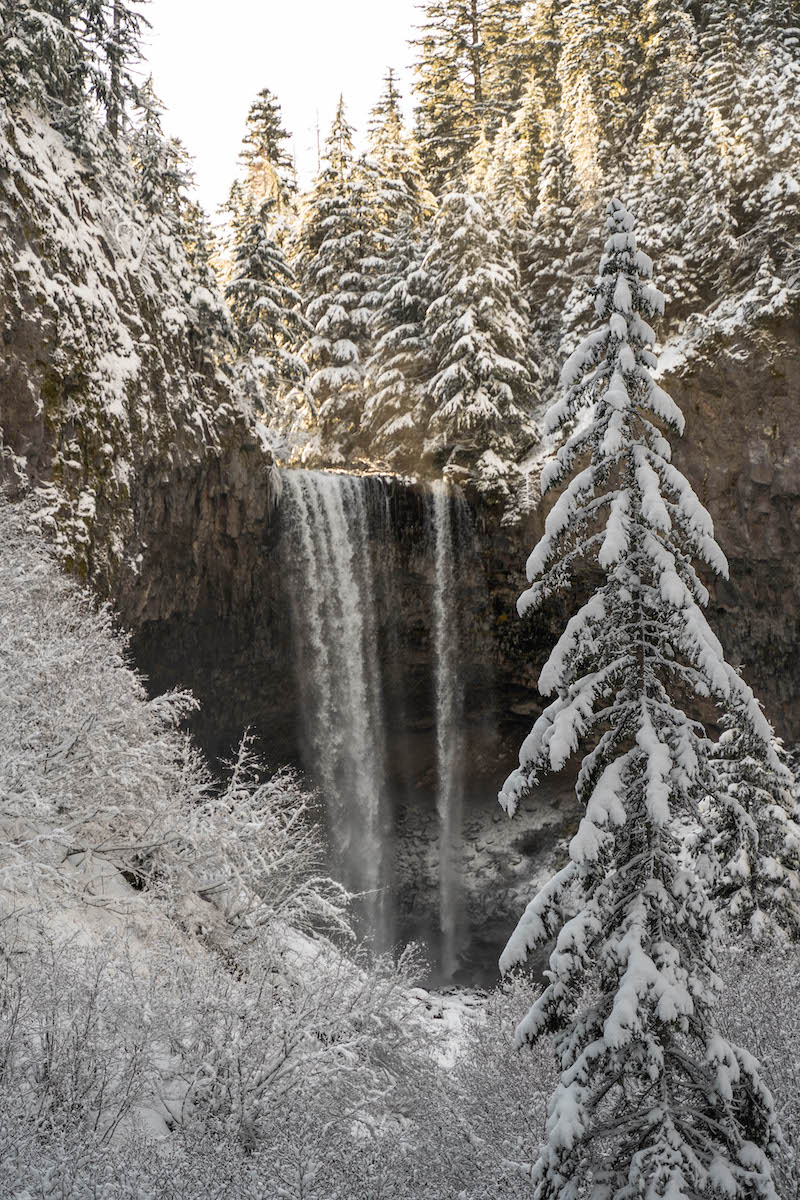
[(387, 112), (269, 166)]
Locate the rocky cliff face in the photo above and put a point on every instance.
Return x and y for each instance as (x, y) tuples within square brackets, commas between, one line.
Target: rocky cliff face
[(741, 398)]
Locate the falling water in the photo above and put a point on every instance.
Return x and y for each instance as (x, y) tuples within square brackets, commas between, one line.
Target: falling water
[(338, 546), (450, 521), (327, 541)]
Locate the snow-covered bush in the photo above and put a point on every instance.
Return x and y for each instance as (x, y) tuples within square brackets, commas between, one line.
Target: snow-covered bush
[(290, 1025), (101, 795), (253, 850), (759, 1010), (76, 1048), (93, 775), (492, 1102)]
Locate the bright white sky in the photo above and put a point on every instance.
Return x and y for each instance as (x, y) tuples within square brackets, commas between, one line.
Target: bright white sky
[(209, 58)]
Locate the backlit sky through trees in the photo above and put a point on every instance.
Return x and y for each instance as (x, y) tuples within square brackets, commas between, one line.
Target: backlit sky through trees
[(209, 60)]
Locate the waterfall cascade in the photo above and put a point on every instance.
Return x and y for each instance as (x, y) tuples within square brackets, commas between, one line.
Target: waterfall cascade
[(450, 524), (327, 548), (337, 538)]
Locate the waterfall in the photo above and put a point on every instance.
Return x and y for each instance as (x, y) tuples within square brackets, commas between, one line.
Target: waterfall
[(327, 548), (342, 554), (450, 522)]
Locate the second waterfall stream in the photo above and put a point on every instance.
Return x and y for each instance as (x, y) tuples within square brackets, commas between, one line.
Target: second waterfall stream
[(336, 548)]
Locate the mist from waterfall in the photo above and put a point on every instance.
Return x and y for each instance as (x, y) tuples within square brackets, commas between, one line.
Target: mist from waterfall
[(335, 610), (450, 521)]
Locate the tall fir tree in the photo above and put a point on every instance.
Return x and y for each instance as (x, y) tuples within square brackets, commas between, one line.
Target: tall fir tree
[(269, 174), (266, 307), (68, 54), (536, 110), (509, 31), (113, 31), (449, 88), (473, 65), (393, 188), (401, 363), (266, 185), (545, 40), (232, 214), (212, 336), (398, 178), (722, 34), (162, 164), (752, 816), (769, 167), (553, 247), (678, 179), (499, 172), (480, 394), (47, 62), (336, 265), (595, 72), (399, 294), (652, 1100)]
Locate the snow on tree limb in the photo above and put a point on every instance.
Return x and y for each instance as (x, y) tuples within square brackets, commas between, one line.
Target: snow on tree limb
[(652, 1100)]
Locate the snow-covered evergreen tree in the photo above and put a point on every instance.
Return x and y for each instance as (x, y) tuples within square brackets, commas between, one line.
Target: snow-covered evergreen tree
[(480, 393), (266, 185), (401, 363), (48, 61), (722, 38), (399, 294), (266, 306), (64, 56), (449, 88), (213, 335), (232, 215), (112, 33), (534, 113), (678, 179), (757, 842), (511, 28), (401, 188), (769, 168), (554, 250), (554, 221), (163, 164), (501, 174), (40, 54), (336, 264), (394, 191), (653, 1101), (595, 72), (474, 61), (269, 169)]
